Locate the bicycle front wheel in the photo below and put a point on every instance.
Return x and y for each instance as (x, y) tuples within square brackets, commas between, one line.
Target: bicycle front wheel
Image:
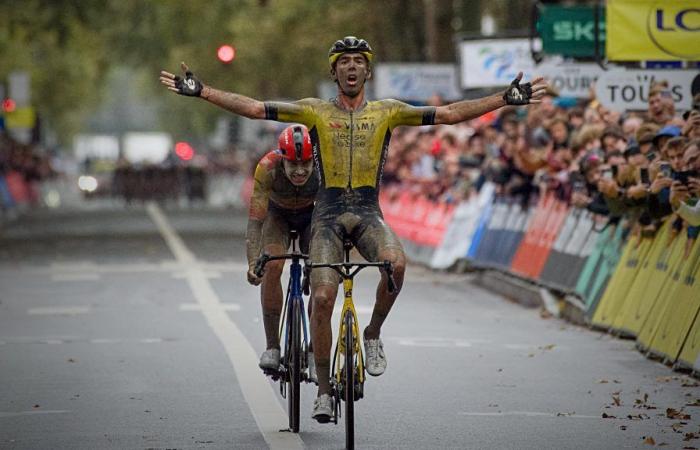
[(294, 361), (349, 390)]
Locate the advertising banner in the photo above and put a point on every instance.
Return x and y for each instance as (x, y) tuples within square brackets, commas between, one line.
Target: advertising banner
[(416, 81), (494, 62), (623, 90), (571, 79), (570, 30), (639, 30)]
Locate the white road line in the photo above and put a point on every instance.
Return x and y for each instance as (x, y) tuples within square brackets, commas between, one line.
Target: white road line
[(230, 307), (32, 413), (77, 276), (58, 310), (565, 415), (66, 271), (263, 404)]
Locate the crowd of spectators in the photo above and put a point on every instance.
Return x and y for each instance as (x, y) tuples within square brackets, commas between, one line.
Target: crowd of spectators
[(22, 168), (640, 165)]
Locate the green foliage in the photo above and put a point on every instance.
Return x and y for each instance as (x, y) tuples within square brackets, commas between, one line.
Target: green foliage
[(71, 46)]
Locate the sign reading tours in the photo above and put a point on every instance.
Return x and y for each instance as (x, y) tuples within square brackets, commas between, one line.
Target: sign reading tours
[(571, 79), (624, 90)]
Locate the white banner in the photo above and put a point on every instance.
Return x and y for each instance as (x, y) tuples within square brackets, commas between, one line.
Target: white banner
[(571, 79), (458, 236), (494, 62), (416, 81), (623, 90)]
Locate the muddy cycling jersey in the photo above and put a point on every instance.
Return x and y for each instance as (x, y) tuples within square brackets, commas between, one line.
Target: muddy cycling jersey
[(277, 205), (350, 147)]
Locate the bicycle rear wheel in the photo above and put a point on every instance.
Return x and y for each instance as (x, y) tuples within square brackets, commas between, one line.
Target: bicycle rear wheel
[(294, 374), (349, 390)]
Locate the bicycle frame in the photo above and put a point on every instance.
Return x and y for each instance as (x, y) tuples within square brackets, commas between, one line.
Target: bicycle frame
[(348, 308)]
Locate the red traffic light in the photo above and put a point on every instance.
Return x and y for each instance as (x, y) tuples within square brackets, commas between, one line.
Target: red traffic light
[(226, 53), (184, 151), (9, 105)]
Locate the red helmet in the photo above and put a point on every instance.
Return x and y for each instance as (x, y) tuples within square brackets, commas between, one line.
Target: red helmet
[(295, 143)]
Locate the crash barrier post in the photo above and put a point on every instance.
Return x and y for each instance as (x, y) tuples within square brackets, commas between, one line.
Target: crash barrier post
[(634, 284), (530, 258), (678, 307), (636, 249), (638, 300)]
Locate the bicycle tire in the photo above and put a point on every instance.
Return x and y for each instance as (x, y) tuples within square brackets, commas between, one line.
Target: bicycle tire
[(349, 388), (294, 378)]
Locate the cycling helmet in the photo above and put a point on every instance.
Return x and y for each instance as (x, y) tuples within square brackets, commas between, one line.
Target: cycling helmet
[(349, 44), (295, 143)]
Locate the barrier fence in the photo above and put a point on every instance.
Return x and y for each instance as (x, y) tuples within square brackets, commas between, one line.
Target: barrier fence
[(632, 284)]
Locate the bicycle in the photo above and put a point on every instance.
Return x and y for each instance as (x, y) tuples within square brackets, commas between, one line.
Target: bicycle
[(293, 363), (348, 379)]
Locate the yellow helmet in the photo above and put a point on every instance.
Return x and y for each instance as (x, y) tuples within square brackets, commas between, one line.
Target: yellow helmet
[(349, 44)]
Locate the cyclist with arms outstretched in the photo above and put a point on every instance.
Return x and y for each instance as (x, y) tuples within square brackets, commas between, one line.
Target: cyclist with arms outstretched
[(350, 140), (283, 196)]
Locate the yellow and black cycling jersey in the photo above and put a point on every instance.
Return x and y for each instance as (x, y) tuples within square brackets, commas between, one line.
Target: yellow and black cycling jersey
[(349, 147)]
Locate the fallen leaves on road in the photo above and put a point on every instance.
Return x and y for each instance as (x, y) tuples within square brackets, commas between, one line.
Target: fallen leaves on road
[(37, 406), (616, 399), (623, 427), (649, 440), (603, 381), (608, 416), (71, 360), (695, 403), (691, 436), (637, 416), (547, 347), (678, 426), (675, 414)]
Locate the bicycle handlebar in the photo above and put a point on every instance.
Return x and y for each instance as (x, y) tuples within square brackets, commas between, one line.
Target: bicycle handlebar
[(265, 258), (386, 265)]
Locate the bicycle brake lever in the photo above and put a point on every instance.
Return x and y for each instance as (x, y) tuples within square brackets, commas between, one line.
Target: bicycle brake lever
[(306, 282), (391, 283), (260, 264)]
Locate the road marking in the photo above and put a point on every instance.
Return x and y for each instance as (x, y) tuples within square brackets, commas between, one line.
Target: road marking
[(263, 404), (436, 342), (68, 271), (566, 415), (229, 307), (83, 340), (58, 310), (90, 276), (32, 413)]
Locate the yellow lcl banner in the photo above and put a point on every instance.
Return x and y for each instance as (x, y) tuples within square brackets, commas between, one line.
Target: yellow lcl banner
[(657, 30)]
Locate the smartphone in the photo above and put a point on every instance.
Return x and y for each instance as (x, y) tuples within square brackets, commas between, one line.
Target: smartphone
[(665, 169), (683, 176), (644, 175), (651, 156), (614, 170), (579, 186)]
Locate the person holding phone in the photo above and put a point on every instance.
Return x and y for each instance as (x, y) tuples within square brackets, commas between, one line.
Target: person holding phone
[(686, 185)]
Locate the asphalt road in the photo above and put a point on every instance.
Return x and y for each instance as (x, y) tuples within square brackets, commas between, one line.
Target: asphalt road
[(135, 329)]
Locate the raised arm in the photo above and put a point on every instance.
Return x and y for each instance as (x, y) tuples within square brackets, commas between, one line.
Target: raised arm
[(190, 86), (516, 94)]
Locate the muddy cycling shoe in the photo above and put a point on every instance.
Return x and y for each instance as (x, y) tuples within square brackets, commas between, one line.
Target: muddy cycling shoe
[(375, 359), (270, 359), (323, 409), (311, 364)]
